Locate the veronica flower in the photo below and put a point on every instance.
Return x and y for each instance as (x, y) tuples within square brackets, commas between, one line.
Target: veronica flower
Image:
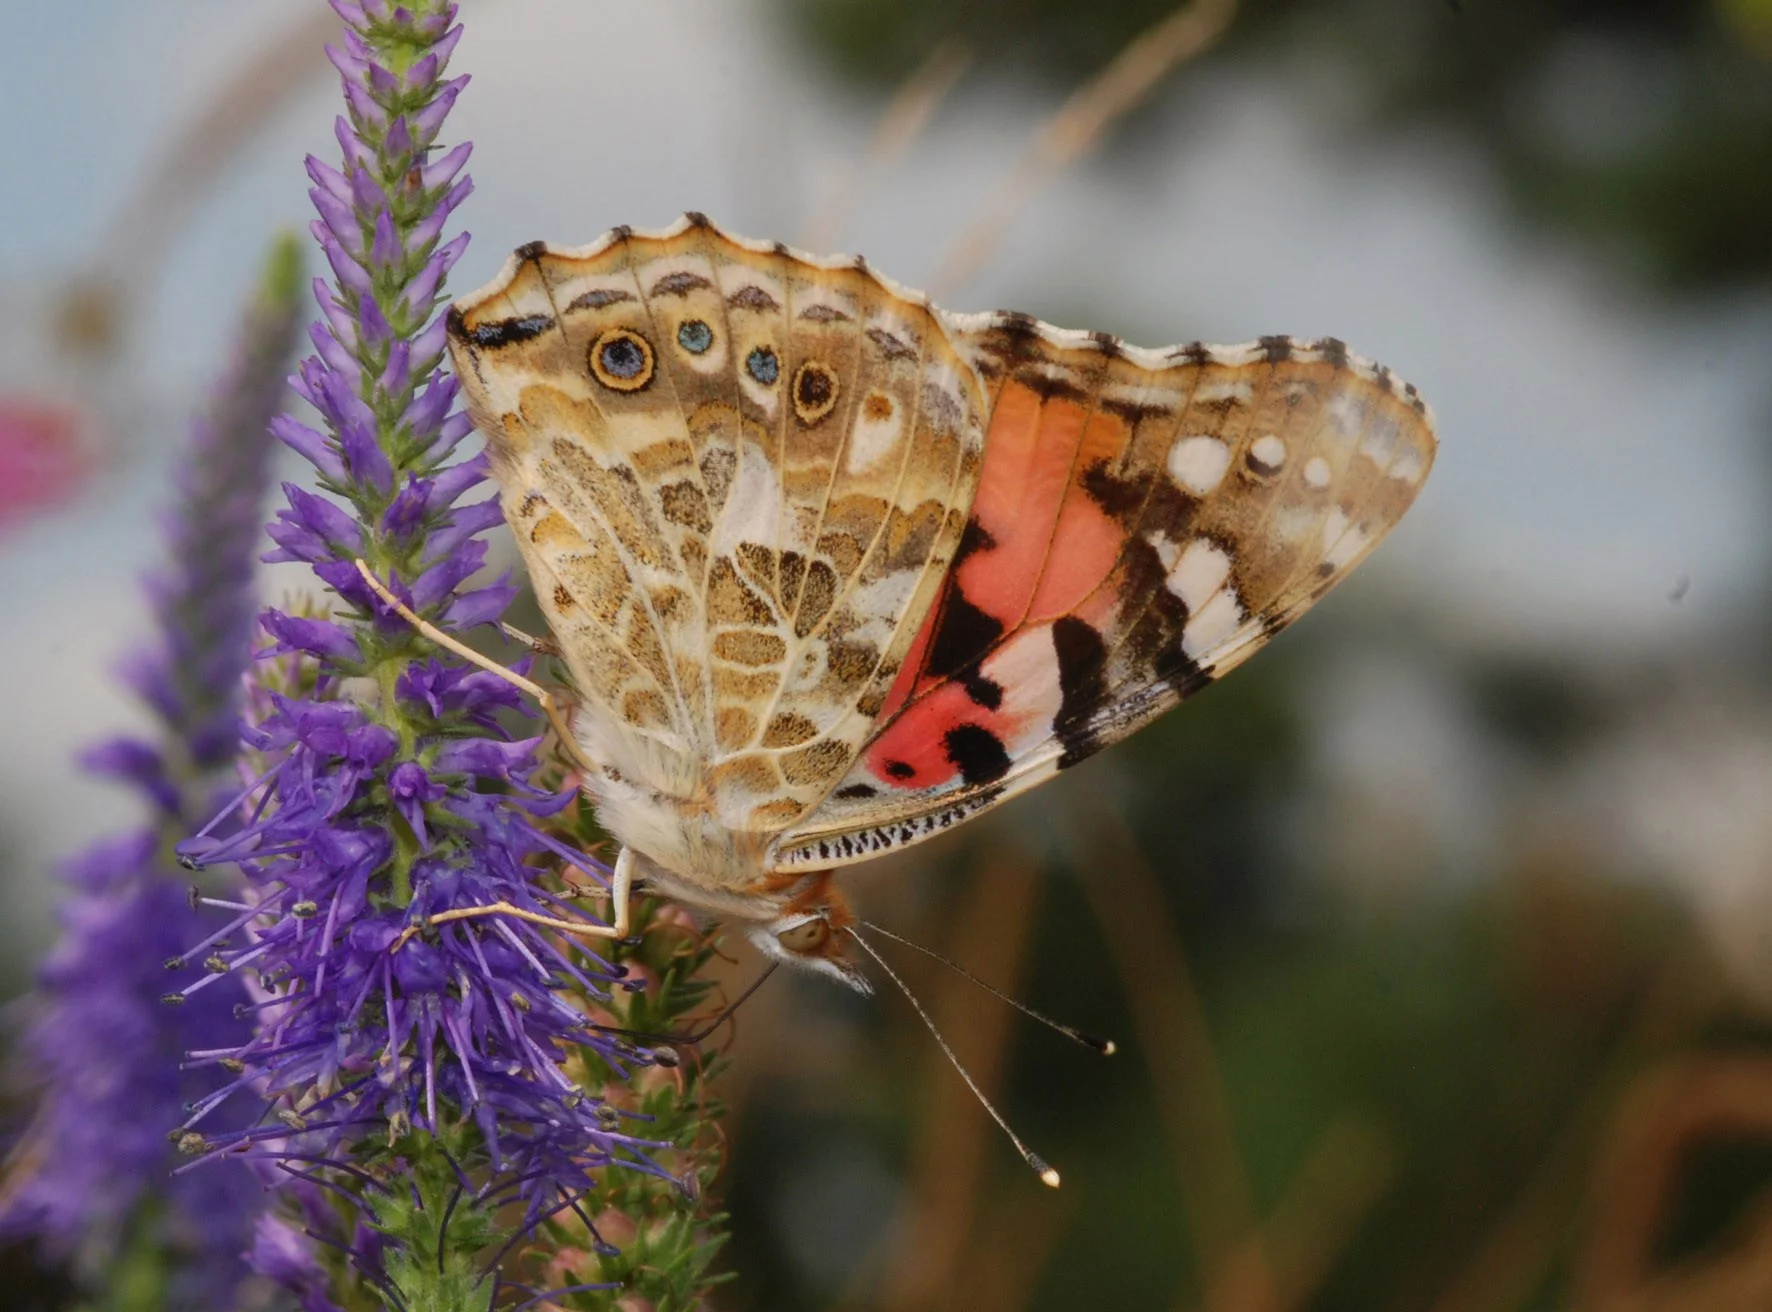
[(411, 1025), (93, 1172)]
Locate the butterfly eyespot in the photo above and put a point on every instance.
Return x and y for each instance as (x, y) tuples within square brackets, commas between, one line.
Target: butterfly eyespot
[(762, 365), (622, 360), (807, 937), (877, 406), (815, 392), (694, 336)]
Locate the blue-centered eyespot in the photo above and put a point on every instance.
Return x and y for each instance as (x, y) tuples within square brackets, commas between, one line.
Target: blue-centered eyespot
[(694, 336), (622, 360), (762, 365)]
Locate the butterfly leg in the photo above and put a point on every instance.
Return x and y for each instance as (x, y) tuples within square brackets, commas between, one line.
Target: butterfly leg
[(545, 699), (540, 646), (620, 894)]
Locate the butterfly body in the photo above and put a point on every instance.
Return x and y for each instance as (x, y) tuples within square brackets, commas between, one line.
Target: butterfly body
[(833, 570)]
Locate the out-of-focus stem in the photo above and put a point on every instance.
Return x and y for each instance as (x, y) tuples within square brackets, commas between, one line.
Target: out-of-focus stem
[(1079, 124)]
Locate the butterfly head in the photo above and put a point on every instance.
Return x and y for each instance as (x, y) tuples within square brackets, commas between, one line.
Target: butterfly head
[(812, 938)]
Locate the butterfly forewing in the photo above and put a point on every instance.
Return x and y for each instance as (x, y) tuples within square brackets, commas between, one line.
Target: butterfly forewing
[(1144, 522)]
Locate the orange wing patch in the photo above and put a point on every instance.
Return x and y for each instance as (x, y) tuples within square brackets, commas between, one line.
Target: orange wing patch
[(1144, 522)]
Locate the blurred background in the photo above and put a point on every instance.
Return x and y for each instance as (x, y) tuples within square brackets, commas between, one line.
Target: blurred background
[(1437, 942)]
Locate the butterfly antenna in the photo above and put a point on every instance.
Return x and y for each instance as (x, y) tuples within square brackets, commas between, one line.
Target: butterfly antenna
[(1106, 1047), (1048, 1176)]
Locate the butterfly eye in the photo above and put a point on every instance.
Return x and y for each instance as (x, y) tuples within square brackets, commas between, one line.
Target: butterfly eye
[(694, 336), (807, 937), (815, 392), (621, 360), (762, 365)]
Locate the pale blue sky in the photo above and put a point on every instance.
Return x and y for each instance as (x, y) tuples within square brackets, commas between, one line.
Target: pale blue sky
[(1597, 446)]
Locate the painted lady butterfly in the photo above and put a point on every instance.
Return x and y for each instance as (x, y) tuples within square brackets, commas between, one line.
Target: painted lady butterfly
[(834, 570)]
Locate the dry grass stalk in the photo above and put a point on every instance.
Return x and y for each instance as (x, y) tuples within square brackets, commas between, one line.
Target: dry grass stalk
[(992, 926), (158, 207), (1346, 1172), (1080, 123), (1667, 1116), (1014, 1245), (1176, 1046), (906, 116), (1514, 1258)]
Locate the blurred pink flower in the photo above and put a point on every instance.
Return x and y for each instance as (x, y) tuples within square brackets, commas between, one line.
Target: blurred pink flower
[(43, 457)]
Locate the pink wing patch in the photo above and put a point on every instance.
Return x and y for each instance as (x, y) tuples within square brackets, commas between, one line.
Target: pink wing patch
[(982, 682)]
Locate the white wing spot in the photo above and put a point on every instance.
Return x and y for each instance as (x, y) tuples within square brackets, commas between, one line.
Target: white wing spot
[(1213, 625), (1316, 471), (1408, 467), (1292, 523), (1269, 450), (1199, 574), (872, 439), (1342, 540), (1380, 443), (1346, 417), (1167, 552), (1238, 393), (751, 507), (1198, 463)]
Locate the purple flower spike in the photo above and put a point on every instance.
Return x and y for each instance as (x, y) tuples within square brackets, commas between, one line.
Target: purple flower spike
[(405, 514), (483, 606), (109, 1054), (399, 1001), (399, 139)]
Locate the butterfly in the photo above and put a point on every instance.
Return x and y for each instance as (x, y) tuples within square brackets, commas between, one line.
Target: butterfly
[(834, 570)]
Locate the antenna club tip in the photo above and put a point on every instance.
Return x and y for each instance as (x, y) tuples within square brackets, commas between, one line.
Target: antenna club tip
[(1048, 1176), (1107, 1047)]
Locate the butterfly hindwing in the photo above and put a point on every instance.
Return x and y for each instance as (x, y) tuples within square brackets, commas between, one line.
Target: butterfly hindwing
[(1144, 522)]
